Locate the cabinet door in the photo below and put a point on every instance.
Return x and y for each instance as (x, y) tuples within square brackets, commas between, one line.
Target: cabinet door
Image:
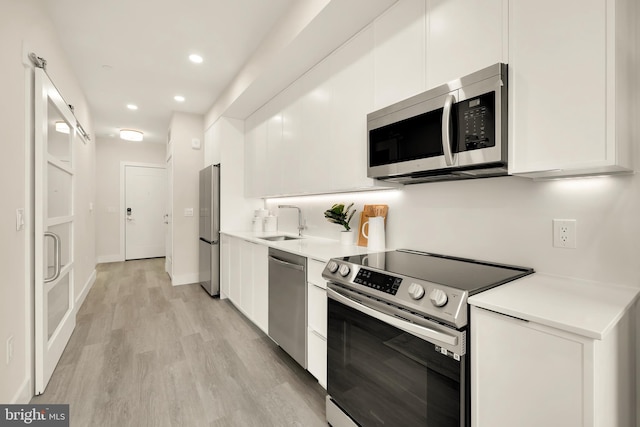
[(260, 263), (317, 309), (316, 105), (465, 36), (235, 270), (291, 147), (317, 356), (314, 273), (527, 377), (399, 53), (557, 84), (255, 155), (274, 164), (351, 100), (246, 282), (225, 258)]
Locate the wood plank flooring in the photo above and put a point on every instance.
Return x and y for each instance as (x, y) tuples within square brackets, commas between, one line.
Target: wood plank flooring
[(145, 353)]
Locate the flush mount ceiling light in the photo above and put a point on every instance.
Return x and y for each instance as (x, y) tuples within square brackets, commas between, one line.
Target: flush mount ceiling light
[(132, 106), (179, 98), (196, 59), (62, 127), (131, 135)]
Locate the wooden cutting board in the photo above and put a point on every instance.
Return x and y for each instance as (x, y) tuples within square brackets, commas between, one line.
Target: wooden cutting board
[(367, 212)]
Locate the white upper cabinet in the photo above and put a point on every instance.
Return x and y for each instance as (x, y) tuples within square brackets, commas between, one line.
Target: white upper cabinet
[(255, 156), (292, 139), (464, 36), (351, 99), (571, 86), (316, 106), (399, 53)]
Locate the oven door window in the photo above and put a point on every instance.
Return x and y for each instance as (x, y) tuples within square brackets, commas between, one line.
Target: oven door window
[(382, 376)]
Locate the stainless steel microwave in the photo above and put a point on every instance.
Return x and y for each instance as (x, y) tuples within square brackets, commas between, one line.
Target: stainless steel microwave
[(454, 131)]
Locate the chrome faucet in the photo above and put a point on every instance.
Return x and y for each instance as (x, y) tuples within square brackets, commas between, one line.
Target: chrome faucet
[(300, 221)]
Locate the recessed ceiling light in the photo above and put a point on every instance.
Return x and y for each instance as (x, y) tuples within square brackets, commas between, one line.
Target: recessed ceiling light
[(179, 98), (62, 127), (131, 135), (196, 59), (132, 106)]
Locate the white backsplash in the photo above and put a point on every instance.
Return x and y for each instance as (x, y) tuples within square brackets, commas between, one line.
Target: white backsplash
[(506, 219)]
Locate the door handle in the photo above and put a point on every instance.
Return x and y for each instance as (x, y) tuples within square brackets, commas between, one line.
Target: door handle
[(446, 130), (56, 256), (419, 331)]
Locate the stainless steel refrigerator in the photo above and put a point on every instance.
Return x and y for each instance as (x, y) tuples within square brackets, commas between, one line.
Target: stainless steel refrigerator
[(209, 264)]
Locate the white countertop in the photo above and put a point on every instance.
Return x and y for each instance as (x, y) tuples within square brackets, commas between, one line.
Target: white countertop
[(309, 246), (586, 308)]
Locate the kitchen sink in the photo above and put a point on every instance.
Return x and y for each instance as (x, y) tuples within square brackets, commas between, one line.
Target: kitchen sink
[(279, 238)]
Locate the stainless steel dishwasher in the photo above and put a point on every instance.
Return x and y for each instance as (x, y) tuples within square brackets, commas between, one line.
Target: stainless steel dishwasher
[(288, 303)]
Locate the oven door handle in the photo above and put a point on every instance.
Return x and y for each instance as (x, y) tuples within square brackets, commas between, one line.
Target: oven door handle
[(417, 330)]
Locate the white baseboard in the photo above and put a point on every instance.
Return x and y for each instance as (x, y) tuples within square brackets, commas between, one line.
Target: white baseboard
[(109, 258), (185, 279), (24, 393), (85, 290)]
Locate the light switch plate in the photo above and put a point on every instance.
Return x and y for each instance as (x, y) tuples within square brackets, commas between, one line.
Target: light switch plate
[(195, 143), (188, 211)]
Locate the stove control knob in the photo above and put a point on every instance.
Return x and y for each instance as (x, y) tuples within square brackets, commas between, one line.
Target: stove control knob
[(438, 297), (416, 291), (344, 270), (332, 266)]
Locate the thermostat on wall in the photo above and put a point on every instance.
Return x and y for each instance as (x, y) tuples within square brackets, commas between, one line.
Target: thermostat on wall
[(195, 143)]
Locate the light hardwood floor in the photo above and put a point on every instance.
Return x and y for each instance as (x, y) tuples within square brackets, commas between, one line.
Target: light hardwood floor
[(145, 353)]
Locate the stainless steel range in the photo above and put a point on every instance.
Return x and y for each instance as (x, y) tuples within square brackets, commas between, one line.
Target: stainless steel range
[(397, 337)]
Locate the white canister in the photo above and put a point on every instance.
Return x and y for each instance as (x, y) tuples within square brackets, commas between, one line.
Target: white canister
[(375, 234), (258, 224), (271, 223)]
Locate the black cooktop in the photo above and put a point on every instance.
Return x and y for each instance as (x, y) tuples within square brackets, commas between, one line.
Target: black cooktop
[(465, 274)]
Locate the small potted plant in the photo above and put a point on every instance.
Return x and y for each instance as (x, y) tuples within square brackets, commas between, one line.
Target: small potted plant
[(338, 214)]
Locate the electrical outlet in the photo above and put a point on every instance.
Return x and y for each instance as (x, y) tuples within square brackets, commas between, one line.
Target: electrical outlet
[(564, 233), (9, 349)]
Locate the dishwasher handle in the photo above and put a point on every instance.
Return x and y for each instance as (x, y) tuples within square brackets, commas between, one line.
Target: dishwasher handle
[(286, 264)]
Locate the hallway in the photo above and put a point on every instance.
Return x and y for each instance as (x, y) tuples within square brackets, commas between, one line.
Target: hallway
[(147, 353)]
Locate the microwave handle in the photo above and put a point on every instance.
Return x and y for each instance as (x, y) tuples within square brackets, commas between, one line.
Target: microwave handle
[(446, 129)]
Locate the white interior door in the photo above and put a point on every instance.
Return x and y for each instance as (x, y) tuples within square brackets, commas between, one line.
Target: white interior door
[(54, 312), (144, 212), (168, 264)]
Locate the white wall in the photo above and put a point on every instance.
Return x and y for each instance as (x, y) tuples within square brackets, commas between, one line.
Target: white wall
[(25, 22), (224, 144), (110, 153), (187, 163)]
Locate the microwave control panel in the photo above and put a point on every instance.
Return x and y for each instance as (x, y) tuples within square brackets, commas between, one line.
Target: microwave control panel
[(476, 122)]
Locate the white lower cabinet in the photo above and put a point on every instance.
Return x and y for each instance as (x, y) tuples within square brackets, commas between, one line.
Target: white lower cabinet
[(225, 259), (247, 278), (260, 264), (317, 356), (529, 375), (316, 321)]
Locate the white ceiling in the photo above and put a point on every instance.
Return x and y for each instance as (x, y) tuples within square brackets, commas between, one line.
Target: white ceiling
[(136, 52)]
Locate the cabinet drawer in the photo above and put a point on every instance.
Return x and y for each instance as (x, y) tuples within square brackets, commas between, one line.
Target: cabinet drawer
[(314, 272), (317, 357), (317, 309)]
